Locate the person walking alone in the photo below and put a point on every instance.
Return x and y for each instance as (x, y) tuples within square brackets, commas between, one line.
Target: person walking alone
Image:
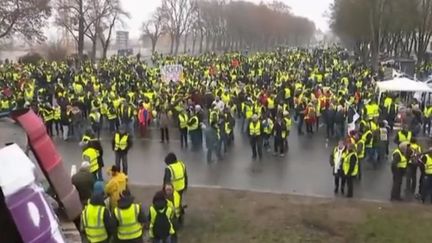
[(121, 144)]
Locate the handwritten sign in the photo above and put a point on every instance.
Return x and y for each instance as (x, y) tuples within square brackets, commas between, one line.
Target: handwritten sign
[(172, 72)]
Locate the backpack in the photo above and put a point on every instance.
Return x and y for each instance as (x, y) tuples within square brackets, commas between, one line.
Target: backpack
[(161, 227)]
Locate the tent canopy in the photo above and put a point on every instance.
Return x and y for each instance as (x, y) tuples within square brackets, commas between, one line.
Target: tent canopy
[(403, 84)]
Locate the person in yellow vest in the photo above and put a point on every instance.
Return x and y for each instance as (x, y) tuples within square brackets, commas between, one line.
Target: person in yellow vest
[(183, 126), (95, 121), (175, 173), (112, 118), (161, 228), (173, 199), (368, 138), (121, 143), (350, 168), (426, 190), (193, 129), (96, 220), (91, 155), (398, 168), (255, 131), (403, 135), (129, 220), (336, 160), (57, 120), (48, 118), (427, 116), (268, 126)]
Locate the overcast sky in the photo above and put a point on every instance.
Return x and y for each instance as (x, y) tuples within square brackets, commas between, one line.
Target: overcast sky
[(312, 9)]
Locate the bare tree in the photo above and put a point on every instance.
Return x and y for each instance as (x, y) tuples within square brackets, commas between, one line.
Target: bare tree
[(73, 16), (177, 14), (24, 17), (98, 9), (153, 28)]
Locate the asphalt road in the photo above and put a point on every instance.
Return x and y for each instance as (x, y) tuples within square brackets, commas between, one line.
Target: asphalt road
[(304, 170)]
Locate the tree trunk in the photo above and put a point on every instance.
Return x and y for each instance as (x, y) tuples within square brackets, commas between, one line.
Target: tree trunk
[(177, 44), (81, 30), (185, 43), (153, 43), (201, 42), (94, 47), (194, 39), (172, 43), (104, 50)]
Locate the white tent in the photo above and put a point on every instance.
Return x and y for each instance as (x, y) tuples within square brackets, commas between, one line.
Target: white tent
[(402, 84)]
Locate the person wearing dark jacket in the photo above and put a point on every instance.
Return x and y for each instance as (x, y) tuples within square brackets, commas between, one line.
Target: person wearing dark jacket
[(121, 143), (96, 220), (83, 181), (340, 122), (129, 220), (329, 119), (161, 228), (280, 134)]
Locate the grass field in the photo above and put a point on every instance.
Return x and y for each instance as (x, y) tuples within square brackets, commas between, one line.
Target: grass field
[(215, 216)]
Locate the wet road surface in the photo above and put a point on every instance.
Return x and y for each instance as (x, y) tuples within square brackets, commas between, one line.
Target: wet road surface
[(304, 170)]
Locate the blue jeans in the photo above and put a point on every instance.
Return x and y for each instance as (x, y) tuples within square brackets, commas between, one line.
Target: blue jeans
[(371, 155)]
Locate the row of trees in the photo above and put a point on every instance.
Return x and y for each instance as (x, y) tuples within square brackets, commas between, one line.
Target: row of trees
[(388, 27), (80, 19), (221, 25), (210, 25)]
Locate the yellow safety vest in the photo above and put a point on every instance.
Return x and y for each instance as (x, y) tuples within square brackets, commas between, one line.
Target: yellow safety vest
[(364, 136), (403, 160), (183, 119), (153, 214), (129, 228), (269, 128), (227, 127), (428, 165), (249, 111), (270, 103), (57, 113), (120, 143), (361, 153), (346, 164), (175, 203), (255, 128), (91, 155), (177, 170), (403, 138), (93, 223), (194, 121), (95, 116)]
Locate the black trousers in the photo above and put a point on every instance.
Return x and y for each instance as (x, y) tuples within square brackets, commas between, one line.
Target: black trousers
[(350, 183), (427, 188), (300, 124), (256, 145), (58, 127), (279, 146), (49, 125), (164, 134), (121, 156), (411, 178), (183, 137), (398, 174), (330, 130)]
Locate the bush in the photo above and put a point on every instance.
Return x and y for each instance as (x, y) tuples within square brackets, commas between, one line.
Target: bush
[(31, 57)]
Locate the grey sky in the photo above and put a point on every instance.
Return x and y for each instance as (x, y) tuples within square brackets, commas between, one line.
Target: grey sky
[(312, 9)]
